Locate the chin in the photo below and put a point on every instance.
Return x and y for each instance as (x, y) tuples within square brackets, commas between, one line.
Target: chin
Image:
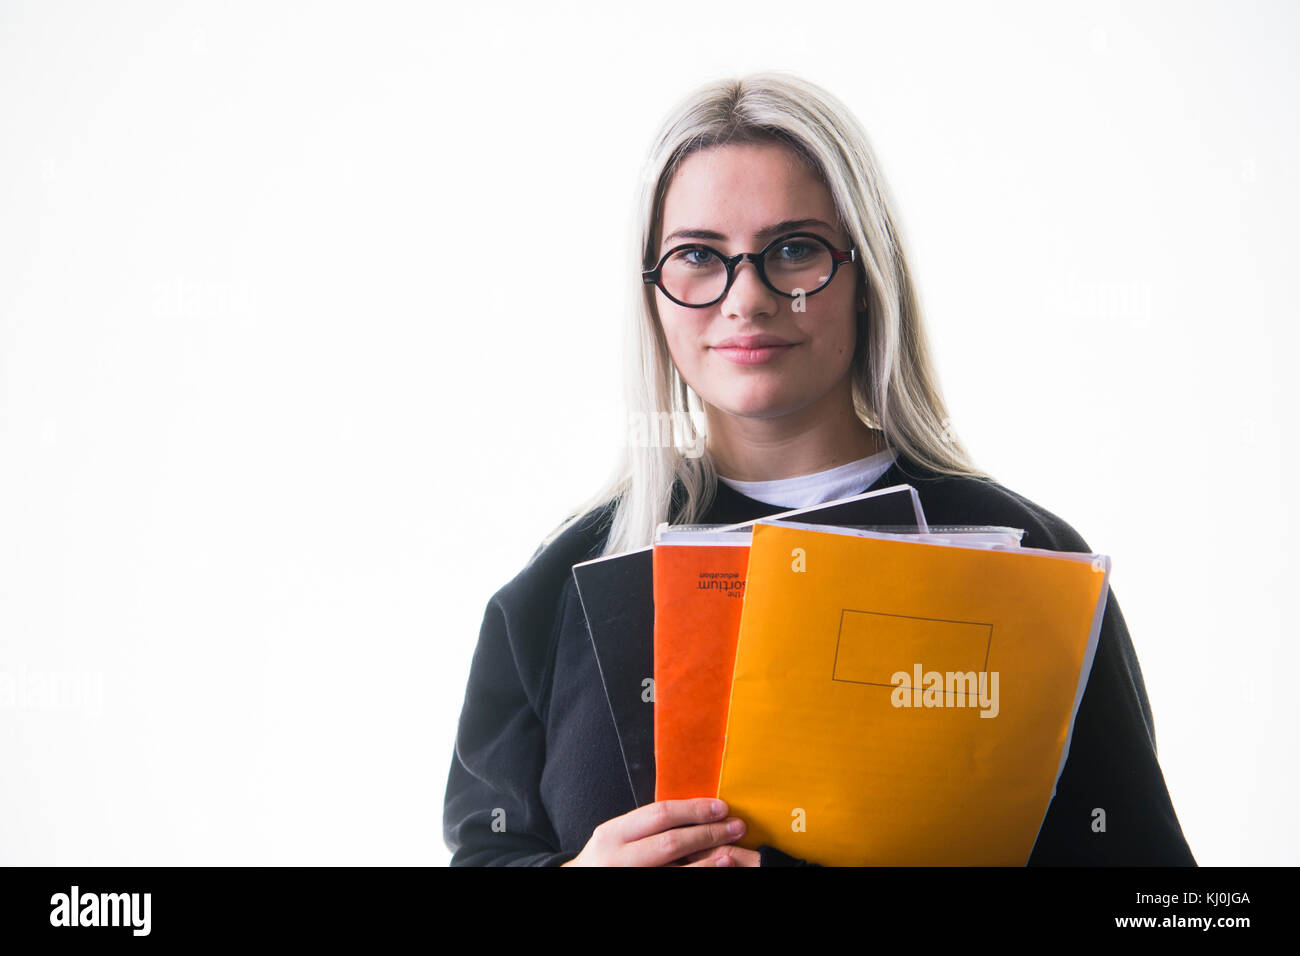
[(752, 407)]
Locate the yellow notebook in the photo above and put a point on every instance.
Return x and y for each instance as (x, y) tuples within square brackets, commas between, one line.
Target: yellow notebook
[(904, 703)]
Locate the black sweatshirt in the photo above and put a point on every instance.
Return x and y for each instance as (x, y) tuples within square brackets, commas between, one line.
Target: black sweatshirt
[(537, 764)]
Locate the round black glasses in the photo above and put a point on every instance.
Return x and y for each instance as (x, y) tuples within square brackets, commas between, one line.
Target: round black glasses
[(798, 263)]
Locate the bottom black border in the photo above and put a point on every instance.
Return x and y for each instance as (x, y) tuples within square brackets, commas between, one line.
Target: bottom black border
[(233, 904)]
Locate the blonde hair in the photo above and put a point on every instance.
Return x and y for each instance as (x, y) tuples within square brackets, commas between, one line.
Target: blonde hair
[(895, 388)]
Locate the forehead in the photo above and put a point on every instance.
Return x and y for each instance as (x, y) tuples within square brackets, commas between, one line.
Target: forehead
[(739, 189)]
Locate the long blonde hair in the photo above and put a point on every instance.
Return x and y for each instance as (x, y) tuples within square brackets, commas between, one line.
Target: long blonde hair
[(665, 471)]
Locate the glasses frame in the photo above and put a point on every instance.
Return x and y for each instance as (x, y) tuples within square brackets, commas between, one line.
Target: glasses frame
[(838, 258)]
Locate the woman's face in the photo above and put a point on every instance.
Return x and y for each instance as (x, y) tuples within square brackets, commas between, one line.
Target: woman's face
[(737, 198)]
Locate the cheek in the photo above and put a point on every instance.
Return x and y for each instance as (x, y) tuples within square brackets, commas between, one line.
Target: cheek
[(682, 337), (838, 331), (685, 325), (850, 335)]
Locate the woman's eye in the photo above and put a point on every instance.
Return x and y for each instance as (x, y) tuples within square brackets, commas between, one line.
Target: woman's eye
[(794, 251), (695, 257)]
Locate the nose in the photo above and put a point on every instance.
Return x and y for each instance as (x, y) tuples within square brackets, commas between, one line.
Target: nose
[(748, 295)]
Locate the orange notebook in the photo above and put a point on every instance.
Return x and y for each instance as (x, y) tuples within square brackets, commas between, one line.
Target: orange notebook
[(905, 703), (699, 591)]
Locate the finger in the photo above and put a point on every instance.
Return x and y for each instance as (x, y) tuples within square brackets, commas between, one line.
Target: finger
[(664, 814), (725, 856), (659, 849), (700, 855), (697, 856), (713, 856)]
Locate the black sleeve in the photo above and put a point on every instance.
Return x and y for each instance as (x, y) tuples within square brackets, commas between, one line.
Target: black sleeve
[(771, 856), (492, 813), (1112, 807)]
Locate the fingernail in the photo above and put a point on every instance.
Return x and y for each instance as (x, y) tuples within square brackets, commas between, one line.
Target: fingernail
[(724, 861), (719, 808), (736, 826)]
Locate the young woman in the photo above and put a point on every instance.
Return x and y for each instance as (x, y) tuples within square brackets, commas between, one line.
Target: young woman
[(779, 331)]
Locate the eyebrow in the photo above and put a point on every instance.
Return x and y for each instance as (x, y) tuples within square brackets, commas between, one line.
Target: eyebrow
[(788, 225)]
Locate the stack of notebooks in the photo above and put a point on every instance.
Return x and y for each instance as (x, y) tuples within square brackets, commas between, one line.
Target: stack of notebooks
[(859, 687)]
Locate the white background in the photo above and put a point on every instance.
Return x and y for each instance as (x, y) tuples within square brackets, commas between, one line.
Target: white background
[(288, 387)]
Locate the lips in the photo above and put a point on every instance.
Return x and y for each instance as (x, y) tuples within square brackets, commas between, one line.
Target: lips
[(752, 349), (751, 342)]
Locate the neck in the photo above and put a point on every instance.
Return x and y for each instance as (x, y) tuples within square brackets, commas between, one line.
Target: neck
[(824, 435)]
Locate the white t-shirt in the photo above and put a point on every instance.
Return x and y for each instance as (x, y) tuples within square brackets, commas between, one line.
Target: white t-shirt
[(803, 491)]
